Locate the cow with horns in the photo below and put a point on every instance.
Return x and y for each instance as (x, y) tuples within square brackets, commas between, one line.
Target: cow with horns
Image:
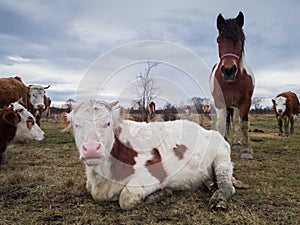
[(138, 162)]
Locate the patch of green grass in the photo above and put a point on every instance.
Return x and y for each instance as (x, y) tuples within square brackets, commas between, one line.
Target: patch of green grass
[(44, 183)]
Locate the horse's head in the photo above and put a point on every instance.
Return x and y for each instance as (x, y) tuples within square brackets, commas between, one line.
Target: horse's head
[(231, 45)]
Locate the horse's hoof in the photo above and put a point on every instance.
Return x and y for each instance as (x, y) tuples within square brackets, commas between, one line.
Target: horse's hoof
[(236, 146), (246, 155)]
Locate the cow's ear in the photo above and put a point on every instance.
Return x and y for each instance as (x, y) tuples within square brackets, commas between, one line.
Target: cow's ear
[(273, 100), (11, 118), (112, 104)]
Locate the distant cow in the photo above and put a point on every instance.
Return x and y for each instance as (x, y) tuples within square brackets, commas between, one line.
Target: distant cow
[(152, 109), (36, 103), (12, 89), (17, 124), (206, 109), (188, 110), (138, 162), (286, 107), (46, 113)]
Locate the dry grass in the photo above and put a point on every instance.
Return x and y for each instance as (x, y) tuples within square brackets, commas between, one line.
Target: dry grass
[(44, 183)]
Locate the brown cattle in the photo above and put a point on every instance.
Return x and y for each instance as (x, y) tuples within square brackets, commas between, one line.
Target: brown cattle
[(286, 107), (11, 90)]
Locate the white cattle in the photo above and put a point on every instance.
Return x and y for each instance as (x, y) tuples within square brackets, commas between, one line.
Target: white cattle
[(137, 162)]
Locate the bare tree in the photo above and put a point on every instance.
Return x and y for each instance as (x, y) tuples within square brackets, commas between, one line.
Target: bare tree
[(256, 102), (145, 89)]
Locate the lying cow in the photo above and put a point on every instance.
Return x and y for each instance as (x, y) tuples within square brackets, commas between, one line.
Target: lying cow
[(286, 108), (137, 162), (17, 124)]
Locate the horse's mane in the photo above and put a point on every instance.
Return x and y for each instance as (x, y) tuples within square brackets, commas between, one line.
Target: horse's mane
[(230, 29)]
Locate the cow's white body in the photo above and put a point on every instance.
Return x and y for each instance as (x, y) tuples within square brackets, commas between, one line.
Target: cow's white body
[(129, 161)]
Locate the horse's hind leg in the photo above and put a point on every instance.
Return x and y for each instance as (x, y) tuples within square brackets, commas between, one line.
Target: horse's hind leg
[(236, 145)]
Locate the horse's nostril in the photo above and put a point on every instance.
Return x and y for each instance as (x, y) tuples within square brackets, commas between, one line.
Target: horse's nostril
[(229, 72)]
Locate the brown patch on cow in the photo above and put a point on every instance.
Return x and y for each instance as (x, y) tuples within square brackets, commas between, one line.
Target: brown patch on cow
[(122, 160), (30, 123), (155, 166), (179, 150)]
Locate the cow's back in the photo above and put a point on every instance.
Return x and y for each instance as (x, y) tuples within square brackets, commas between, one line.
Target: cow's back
[(11, 90)]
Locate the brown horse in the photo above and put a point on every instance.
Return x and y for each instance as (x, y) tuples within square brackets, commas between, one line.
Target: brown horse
[(231, 82)]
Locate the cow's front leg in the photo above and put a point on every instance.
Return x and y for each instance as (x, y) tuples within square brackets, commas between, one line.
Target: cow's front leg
[(292, 125), (135, 192), (279, 126), (286, 126), (223, 173)]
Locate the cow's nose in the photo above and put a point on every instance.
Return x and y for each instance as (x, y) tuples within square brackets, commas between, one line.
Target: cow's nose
[(91, 150), (280, 111), (41, 106)]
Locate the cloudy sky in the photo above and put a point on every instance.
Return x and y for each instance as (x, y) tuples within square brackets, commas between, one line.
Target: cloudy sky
[(62, 43)]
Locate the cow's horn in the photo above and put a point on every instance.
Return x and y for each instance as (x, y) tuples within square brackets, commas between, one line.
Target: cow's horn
[(47, 87)]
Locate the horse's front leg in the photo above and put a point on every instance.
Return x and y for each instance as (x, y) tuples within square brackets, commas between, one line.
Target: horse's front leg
[(221, 121), (246, 150)]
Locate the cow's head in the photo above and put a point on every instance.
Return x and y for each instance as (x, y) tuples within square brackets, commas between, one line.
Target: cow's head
[(36, 94), (279, 104), (93, 123), (27, 129)]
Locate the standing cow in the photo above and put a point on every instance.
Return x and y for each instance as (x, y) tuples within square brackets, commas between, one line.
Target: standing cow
[(36, 103), (286, 107), (12, 89), (138, 162), (17, 124)]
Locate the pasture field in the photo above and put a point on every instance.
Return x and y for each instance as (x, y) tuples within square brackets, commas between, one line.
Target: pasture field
[(44, 183)]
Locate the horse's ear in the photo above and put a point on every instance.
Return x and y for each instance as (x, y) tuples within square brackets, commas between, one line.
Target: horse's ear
[(240, 19), (220, 21)]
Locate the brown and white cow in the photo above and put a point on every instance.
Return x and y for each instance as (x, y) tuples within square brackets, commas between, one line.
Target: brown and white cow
[(17, 124), (36, 104), (286, 108), (137, 162), (206, 109), (12, 89)]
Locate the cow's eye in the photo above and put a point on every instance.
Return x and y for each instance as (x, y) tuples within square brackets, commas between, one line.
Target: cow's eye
[(108, 124)]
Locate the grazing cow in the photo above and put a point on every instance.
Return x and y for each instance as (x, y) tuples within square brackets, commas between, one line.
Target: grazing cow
[(36, 103), (17, 124), (138, 162), (286, 107), (12, 89)]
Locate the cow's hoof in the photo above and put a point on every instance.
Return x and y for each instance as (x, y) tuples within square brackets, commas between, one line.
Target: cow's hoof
[(218, 204), (246, 155), (236, 146)]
